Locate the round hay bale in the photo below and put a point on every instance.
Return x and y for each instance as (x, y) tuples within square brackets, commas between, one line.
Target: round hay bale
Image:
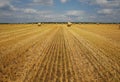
[(69, 24), (39, 24), (97, 23)]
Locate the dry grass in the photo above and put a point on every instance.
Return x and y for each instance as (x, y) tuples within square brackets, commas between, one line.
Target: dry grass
[(55, 53)]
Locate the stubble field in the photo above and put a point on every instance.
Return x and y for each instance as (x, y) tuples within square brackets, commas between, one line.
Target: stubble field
[(57, 53)]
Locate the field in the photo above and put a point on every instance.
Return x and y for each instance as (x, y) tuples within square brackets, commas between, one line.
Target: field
[(57, 53)]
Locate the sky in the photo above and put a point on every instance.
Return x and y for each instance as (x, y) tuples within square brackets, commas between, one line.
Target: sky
[(19, 11)]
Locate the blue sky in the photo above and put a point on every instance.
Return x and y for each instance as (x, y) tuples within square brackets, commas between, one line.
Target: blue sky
[(15, 11)]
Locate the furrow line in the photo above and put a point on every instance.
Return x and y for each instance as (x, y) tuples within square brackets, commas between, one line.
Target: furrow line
[(102, 68), (43, 58), (109, 66)]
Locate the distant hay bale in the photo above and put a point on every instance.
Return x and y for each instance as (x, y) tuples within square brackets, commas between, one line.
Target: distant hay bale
[(39, 24), (69, 24), (97, 23), (119, 26)]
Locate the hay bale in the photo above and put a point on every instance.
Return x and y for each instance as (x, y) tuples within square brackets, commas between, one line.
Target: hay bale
[(97, 23), (39, 24), (69, 24)]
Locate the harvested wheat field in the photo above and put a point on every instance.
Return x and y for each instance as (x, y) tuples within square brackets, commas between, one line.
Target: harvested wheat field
[(57, 53)]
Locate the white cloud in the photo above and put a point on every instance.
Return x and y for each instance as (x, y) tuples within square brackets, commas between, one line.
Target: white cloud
[(103, 3), (6, 5), (112, 12), (75, 12), (28, 10), (42, 2), (108, 3), (105, 11), (108, 15), (4, 2), (63, 1)]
